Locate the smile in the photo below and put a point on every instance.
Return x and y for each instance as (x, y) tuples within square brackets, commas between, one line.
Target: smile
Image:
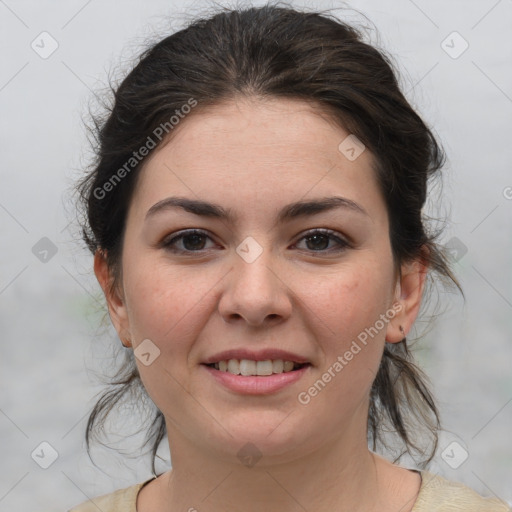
[(247, 367), (243, 376)]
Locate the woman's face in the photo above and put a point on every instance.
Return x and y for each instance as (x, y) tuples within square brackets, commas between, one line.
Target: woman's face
[(259, 277)]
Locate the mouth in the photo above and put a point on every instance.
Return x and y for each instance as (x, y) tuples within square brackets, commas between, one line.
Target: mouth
[(251, 377), (252, 368)]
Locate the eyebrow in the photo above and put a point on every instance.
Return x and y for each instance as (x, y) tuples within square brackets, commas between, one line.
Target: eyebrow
[(289, 212)]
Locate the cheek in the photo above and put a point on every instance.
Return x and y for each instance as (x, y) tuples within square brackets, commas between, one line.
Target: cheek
[(169, 307), (346, 311), (166, 304), (348, 315), (350, 301)]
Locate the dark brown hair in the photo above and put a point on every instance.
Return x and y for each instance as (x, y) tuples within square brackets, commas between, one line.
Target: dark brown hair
[(276, 51)]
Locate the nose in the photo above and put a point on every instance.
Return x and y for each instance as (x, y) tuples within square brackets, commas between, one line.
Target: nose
[(255, 293)]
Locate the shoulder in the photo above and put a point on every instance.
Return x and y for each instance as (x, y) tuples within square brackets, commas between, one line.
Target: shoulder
[(437, 494), (122, 500)]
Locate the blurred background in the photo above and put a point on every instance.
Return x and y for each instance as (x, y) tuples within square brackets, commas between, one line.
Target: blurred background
[(56, 55)]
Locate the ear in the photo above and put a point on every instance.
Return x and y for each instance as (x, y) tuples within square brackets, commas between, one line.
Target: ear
[(407, 300), (115, 302)]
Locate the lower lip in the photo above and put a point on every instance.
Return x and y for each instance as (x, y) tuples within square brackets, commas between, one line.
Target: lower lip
[(254, 384)]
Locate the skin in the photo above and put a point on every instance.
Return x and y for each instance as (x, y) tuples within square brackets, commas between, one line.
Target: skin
[(254, 157)]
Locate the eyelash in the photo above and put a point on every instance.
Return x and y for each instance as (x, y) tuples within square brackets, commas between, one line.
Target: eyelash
[(169, 242)]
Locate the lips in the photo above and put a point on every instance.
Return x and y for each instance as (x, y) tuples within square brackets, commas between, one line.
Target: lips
[(260, 355), (256, 384)]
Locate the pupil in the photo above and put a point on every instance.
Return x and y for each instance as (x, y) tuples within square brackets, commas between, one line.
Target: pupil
[(319, 242), (196, 239)]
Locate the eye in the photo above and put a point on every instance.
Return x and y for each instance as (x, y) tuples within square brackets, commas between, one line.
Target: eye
[(319, 240), (192, 240)]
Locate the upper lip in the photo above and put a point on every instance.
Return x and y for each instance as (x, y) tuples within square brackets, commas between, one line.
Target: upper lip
[(255, 355)]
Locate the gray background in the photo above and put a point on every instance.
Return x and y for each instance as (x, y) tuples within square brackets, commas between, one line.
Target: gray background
[(49, 310)]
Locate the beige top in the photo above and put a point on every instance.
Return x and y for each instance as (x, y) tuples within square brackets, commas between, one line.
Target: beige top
[(436, 495)]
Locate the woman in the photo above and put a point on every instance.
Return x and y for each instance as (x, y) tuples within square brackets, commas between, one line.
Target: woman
[(255, 215)]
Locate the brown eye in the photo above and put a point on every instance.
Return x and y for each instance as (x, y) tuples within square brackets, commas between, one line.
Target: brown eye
[(321, 240), (187, 241), (317, 242), (193, 242)]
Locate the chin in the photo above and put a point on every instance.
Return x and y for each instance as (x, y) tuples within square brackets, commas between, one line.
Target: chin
[(274, 435)]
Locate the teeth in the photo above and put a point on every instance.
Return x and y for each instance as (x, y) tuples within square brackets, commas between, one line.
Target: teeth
[(248, 367), (278, 366), (288, 366)]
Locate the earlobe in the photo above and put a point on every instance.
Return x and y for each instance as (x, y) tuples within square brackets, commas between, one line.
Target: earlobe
[(115, 302), (395, 331), (409, 294)]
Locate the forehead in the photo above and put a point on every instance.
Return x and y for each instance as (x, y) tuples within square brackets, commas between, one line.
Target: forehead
[(274, 130), (252, 149)]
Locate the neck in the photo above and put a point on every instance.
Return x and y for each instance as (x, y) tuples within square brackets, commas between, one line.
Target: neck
[(341, 475)]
